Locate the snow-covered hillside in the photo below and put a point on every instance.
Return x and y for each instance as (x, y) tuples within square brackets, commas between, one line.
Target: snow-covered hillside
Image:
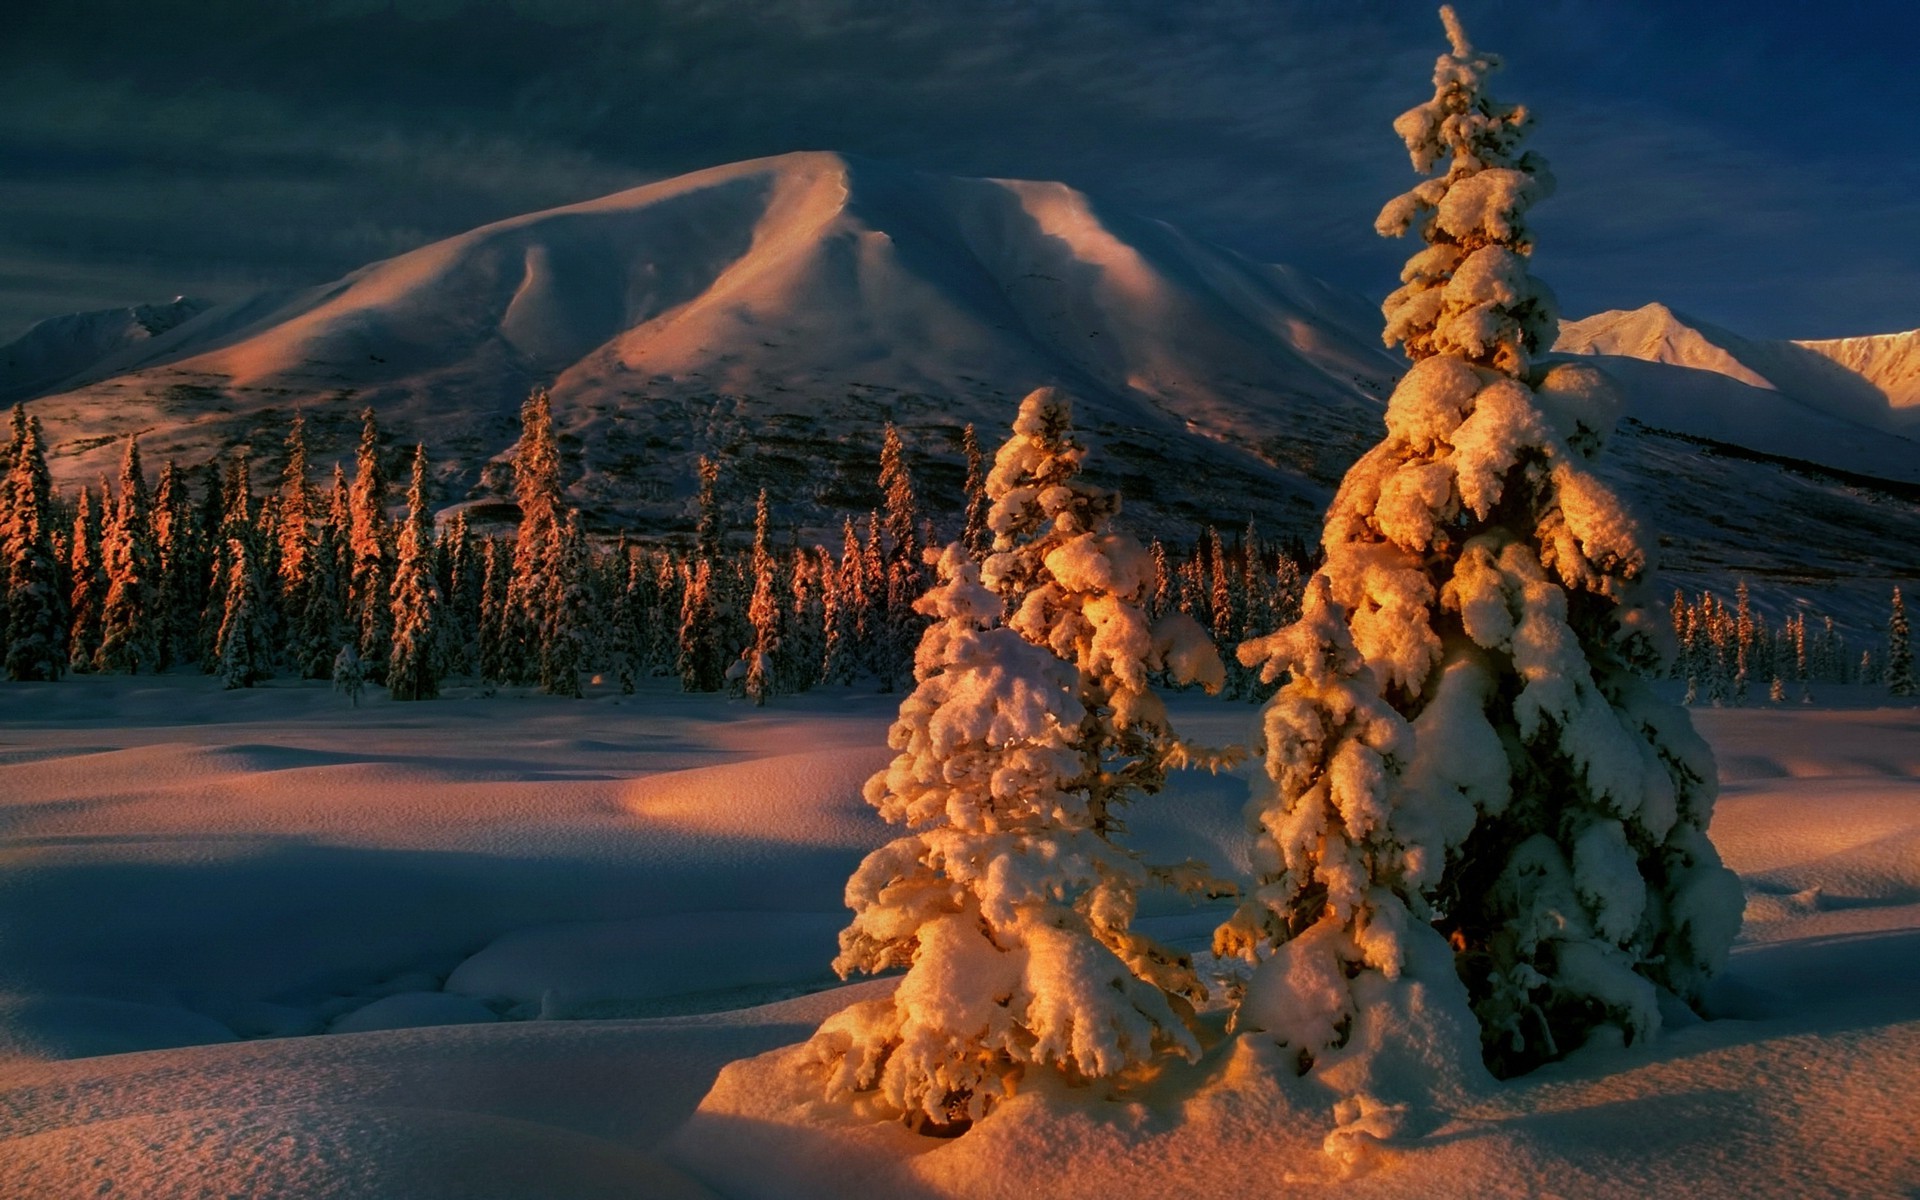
[(1851, 403), (1889, 361), (62, 351), (768, 311), (775, 313), (263, 943)]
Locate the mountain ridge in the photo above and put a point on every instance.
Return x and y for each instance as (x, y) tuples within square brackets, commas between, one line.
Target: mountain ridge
[(775, 313)]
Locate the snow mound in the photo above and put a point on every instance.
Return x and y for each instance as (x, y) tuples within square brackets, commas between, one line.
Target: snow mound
[(330, 1153), (812, 798), (409, 1010), (637, 967), (58, 1026), (1804, 1089)]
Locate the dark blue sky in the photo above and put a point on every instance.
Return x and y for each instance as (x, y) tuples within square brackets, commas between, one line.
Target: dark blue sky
[(1755, 165)]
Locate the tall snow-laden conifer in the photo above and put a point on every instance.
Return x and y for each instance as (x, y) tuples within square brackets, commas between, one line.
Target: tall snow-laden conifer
[(1743, 643), (321, 627), (174, 549), (803, 640), (701, 662), (295, 533), (35, 611), (495, 566), (663, 628), (461, 597), (1009, 901), (129, 633), (567, 607), (536, 489), (413, 671), (1076, 585), (370, 554), (87, 583), (1549, 816), (903, 571), (242, 656), (763, 609), (626, 648), (992, 899), (974, 535), (709, 537), (843, 599), (1899, 651), (8, 456)]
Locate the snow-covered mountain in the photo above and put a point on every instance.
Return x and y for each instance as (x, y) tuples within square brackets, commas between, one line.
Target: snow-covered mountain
[(1889, 361), (776, 312), (1852, 403), (769, 311), (62, 350)]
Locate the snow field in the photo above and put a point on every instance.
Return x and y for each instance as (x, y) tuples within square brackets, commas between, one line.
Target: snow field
[(192, 875)]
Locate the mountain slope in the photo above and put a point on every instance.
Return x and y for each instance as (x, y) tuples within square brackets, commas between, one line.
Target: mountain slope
[(57, 350), (1788, 391), (797, 299), (776, 313), (1889, 361)]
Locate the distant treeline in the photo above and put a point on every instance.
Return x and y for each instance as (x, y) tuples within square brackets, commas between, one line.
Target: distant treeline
[(315, 580), (1729, 655)]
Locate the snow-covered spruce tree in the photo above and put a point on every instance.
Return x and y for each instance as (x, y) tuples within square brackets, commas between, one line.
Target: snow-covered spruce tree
[(662, 615), (1743, 643), (536, 489), (1899, 673), (1010, 903), (625, 644), (413, 670), (1801, 673), (234, 524), (87, 583), (176, 553), (904, 573), (997, 900), (491, 648), (1078, 586), (763, 609), (974, 534), (349, 674), (803, 638), (702, 658), (129, 637), (370, 555), (35, 616), (870, 635), (1340, 898), (460, 596), (843, 599), (294, 535), (563, 634), (319, 628), (1550, 820), (709, 535), (242, 655)]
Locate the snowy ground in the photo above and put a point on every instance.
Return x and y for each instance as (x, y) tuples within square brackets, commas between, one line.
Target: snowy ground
[(261, 943)]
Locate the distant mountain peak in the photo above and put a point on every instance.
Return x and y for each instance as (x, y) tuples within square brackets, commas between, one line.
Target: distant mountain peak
[(1873, 380), (805, 296), (60, 351)]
